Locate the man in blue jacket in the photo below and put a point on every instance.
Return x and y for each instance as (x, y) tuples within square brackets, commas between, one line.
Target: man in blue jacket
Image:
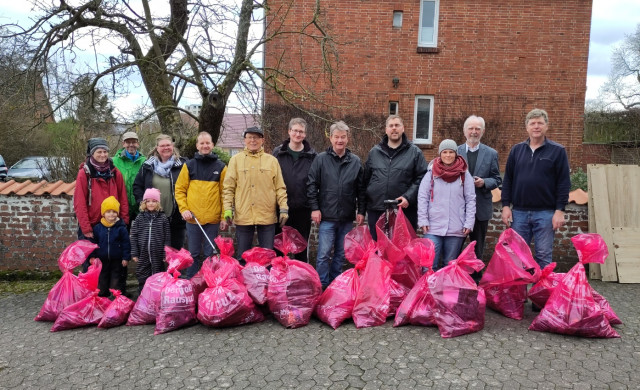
[(483, 166), (536, 184), (334, 192)]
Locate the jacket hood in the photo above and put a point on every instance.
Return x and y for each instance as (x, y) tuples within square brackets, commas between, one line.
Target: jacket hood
[(385, 140), (211, 156), (308, 149), (120, 152), (347, 153)]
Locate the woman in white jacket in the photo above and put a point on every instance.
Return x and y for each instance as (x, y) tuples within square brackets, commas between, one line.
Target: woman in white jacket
[(447, 203)]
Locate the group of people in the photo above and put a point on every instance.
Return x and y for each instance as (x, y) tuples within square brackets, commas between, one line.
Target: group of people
[(160, 199)]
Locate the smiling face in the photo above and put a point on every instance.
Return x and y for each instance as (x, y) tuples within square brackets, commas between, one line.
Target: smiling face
[(448, 156), (339, 140), (297, 133), (111, 216), (537, 128), (165, 149), (473, 132), (394, 130), (204, 144), (131, 145), (253, 142), (100, 155), (152, 204)]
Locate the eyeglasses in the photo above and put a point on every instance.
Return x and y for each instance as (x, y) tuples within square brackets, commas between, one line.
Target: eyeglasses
[(252, 137), (298, 131)]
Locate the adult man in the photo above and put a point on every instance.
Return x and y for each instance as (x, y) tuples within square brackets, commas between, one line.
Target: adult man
[(128, 160), (335, 191), (198, 193), (536, 183), (295, 156), (483, 166), (254, 189), (394, 169)]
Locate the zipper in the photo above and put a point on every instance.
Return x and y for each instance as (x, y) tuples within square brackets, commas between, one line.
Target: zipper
[(149, 240), (109, 243)]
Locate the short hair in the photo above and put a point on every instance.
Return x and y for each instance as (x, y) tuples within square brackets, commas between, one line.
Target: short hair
[(394, 116), (537, 113), (338, 126), (472, 118), (297, 121), (202, 134), (163, 137)]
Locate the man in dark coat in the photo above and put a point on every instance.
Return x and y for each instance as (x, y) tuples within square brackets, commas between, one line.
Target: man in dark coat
[(295, 156)]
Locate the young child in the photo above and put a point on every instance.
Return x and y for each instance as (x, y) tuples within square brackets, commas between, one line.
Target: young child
[(149, 235), (114, 250)]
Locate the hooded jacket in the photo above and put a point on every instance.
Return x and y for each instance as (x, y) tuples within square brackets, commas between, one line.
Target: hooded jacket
[(295, 173), (334, 186), (254, 187), (129, 169), (91, 190), (199, 188), (144, 181), (113, 242)]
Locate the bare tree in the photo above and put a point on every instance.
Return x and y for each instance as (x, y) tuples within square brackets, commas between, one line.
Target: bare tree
[(205, 47), (623, 86)]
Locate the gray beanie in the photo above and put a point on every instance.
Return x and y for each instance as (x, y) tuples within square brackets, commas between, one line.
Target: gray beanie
[(448, 144), (96, 143)]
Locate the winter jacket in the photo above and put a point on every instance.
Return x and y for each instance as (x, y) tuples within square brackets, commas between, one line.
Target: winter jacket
[(199, 188), (388, 177), (452, 208), (91, 190), (254, 187), (334, 186), (144, 181), (488, 169), (129, 169), (113, 242), (150, 233), (295, 173)]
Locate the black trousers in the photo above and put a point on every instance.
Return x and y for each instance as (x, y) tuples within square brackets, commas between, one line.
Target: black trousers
[(110, 276), (479, 234), (299, 219)]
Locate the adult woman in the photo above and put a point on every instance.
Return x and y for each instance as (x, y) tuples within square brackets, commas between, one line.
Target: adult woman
[(447, 203), (97, 180), (161, 170)]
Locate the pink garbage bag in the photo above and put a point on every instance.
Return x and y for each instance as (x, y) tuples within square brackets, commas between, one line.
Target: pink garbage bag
[(226, 302), (68, 289), (117, 312), (177, 305), (510, 269), (371, 307), (571, 308), (256, 274)]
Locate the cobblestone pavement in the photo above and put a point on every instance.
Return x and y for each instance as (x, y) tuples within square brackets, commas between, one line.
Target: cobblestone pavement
[(266, 356)]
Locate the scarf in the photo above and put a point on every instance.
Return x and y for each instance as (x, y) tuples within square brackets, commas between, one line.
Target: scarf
[(107, 224), (162, 168), (102, 169), (448, 173), (130, 156)]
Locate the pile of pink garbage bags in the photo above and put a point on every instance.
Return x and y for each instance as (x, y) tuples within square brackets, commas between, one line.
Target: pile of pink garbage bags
[(390, 278)]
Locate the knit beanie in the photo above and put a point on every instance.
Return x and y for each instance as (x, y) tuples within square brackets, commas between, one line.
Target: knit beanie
[(448, 144), (111, 203), (96, 143), (152, 193)]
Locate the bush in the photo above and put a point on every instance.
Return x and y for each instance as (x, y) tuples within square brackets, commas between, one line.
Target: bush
[(579, 180)]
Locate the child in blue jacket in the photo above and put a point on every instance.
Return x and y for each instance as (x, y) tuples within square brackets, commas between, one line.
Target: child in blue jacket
[(114, 248)]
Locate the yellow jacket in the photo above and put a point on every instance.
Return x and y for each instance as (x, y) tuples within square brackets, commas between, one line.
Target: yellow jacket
[(199, 188), (254, 186)]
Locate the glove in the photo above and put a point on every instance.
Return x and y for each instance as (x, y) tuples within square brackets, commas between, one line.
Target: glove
[(284, 216), (228, 215)]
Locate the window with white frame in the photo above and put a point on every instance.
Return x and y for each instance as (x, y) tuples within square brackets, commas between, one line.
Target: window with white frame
[(428, 31), (423, 119)]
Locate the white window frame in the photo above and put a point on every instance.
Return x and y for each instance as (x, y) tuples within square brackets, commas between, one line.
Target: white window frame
[(397, 23), (429, 140), (434, 43)]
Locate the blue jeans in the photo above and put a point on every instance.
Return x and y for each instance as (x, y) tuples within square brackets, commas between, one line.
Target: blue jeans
[(244, 237), (448, 247), (539, 226), (196, 241), (331, 237)]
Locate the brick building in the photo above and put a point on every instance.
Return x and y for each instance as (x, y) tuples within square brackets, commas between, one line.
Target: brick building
[(435, 63)]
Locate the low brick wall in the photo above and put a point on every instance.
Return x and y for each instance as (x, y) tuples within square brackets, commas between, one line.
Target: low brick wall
[(35, 229)]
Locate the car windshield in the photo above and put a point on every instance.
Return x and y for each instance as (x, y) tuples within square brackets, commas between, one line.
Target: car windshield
[(29, 164)]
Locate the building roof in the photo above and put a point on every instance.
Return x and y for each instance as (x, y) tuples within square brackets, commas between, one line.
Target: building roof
[(233, 125)]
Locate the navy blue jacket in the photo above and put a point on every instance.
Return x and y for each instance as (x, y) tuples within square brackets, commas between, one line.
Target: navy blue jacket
[(539, 180), (113, 242)]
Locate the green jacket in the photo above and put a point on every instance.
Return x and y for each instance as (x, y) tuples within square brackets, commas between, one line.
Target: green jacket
[(129, 170)]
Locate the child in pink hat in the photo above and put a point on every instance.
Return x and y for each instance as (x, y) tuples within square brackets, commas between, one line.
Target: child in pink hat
[(150, 233)]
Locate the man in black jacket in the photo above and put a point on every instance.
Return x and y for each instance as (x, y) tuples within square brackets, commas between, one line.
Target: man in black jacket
[(394, 169), (334, 192), (295, 156)]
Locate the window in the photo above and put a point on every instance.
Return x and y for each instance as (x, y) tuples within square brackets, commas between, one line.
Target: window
[(423, 120), (428, 31), (397, 19), (393, 108)]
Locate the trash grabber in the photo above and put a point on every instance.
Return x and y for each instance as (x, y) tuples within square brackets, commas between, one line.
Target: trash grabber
[(215, 248)]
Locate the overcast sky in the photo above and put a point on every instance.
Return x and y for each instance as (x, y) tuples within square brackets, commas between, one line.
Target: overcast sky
[(611, 21)]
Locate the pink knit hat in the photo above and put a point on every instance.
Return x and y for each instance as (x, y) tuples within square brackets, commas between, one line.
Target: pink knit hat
[(152, 193)]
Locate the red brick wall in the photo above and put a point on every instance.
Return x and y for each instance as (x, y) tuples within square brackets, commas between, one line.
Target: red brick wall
[(496, 59)]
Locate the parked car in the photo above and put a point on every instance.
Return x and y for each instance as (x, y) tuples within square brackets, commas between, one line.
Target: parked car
[(36, 168), (3, 169)]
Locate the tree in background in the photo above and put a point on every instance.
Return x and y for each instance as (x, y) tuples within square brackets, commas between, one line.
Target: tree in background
[(623, 86)]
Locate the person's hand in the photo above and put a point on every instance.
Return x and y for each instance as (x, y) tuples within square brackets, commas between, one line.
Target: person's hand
[(360, 219), (478, 181), (425, 229), (506, 216), (316, 216), (134, 259), (466, 231), (402, 202), (186, 215), (223, 225), (92, 260), (558, 219), (88, 235), (284, 216), (125, 263)]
